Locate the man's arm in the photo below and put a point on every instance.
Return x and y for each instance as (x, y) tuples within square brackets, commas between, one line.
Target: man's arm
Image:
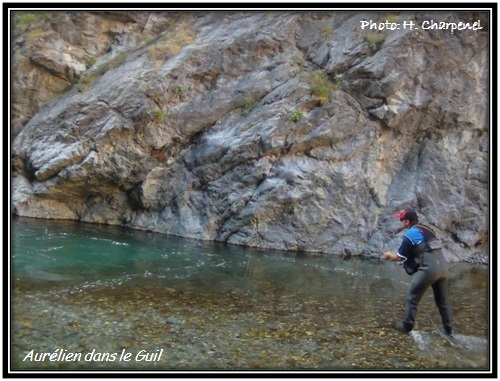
[(393, 257), (401, 255)]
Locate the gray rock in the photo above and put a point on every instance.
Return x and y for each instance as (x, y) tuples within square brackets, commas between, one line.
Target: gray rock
[(211, 126)]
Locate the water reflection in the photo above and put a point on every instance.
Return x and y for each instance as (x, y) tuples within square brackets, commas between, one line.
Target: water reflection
[(210, 306)]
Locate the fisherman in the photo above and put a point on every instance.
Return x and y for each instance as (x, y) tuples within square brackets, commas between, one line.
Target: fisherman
[(420, 254)]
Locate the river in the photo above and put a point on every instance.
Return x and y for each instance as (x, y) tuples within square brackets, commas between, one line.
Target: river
[(95, 297)]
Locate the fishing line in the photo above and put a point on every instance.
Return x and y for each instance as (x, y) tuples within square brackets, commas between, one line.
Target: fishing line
[(444, 335)]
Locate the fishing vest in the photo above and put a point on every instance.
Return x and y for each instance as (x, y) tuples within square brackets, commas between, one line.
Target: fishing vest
[(427, 244)]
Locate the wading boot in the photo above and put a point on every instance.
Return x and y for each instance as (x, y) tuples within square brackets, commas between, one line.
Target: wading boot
[(401, 327)]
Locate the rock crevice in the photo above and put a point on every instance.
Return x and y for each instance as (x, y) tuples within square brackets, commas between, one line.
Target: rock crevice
[(280, 130)]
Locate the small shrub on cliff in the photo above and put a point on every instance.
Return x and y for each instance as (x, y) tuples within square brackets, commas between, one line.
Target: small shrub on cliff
[(180, 89), (92, 75), (392, 17), (171, 43), (90, 61), (375, 40), (299, 59), (326, 28), (89, 78), (159, 115), (483, 131), (22, 21), (247, 105), (296, 115), (321, 84)]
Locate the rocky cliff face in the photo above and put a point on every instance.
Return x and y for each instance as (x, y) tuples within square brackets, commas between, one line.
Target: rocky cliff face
[(283, 130)]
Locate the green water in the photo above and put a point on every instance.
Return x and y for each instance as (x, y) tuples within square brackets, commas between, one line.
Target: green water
[(111, 298)]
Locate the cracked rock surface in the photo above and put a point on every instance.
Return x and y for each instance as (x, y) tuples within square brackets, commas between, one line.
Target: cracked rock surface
[(282, 130)]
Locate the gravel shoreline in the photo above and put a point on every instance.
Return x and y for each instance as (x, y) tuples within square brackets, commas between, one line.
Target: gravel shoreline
[(235, 330)]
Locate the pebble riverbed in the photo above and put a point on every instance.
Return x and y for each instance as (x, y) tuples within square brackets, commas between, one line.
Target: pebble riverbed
[(231, 330), (116, 299)]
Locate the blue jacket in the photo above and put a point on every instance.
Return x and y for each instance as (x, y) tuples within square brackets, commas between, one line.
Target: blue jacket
[(415, 235)]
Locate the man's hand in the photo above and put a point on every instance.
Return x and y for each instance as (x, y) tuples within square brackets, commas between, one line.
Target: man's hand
[(390, 256)]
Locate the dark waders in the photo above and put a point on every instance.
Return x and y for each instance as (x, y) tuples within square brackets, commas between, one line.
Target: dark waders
[(433, 273)]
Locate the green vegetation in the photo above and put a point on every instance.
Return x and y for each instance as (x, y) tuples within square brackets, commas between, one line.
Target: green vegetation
[(320, 88), (375, 40), (31, 20), (326, 28), (159, 115), (296, 115), (92, 76), (23, 20), (90, 61), (171, 42), (392, 17), (483, 131), (298, 59), (247, 105), (89, 79), (321, 84), (180, 89)]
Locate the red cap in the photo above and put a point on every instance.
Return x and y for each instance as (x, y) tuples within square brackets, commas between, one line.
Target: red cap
[(407, 214)]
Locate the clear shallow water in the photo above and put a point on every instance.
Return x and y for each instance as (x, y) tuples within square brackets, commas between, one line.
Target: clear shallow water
[(101, 297)]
